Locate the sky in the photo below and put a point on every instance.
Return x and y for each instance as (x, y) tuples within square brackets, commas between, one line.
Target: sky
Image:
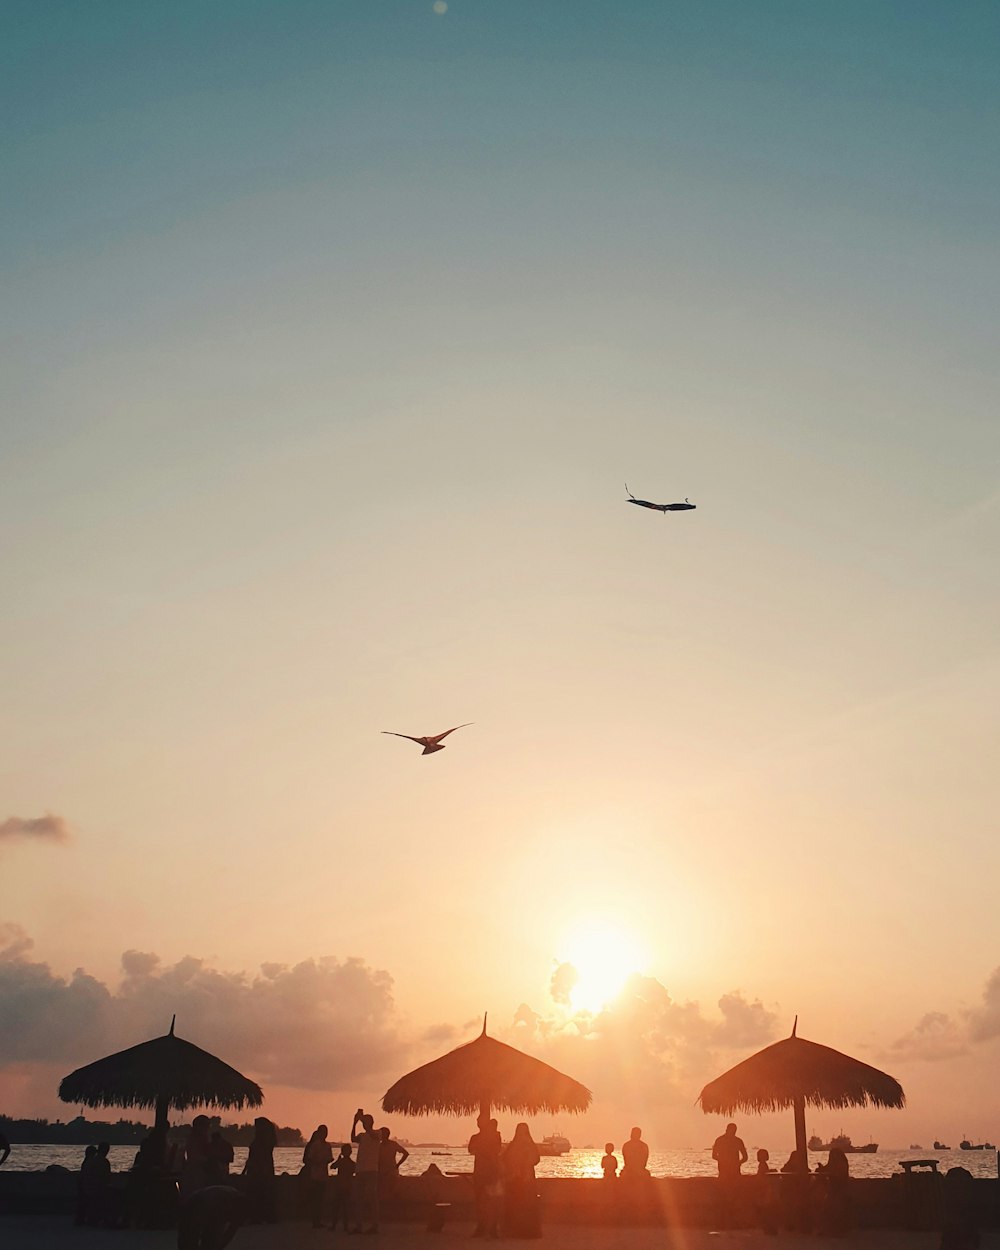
[(331, 334)]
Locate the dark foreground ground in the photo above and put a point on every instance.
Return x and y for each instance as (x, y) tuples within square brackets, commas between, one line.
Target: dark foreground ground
[(56, 1233)]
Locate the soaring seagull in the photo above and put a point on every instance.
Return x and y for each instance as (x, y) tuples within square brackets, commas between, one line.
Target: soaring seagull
[(430, 742), (686, 506)]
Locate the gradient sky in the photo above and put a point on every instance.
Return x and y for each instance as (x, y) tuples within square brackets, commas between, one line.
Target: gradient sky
[(331, 332)]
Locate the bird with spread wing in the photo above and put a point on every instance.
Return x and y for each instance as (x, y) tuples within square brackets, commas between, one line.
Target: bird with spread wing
[(686, 506), (430, 742)]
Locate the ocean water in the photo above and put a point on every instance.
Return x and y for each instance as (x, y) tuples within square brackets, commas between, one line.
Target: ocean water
[(578, 1162)]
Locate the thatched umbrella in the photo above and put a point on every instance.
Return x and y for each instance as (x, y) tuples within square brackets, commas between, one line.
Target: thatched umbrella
[(793, 1072), (482, 1075), (163, 1073)]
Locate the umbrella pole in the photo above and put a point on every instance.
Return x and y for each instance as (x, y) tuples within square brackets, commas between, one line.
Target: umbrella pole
[(484, 1110), (799, 1108), (162, 1106)]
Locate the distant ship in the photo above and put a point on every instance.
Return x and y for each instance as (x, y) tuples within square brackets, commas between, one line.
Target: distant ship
[(939, 1145), (844, 1143), (554, 1144), (967, 1145)]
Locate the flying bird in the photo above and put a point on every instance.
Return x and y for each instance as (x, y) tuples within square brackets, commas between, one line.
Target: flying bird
[(430, 742), (686, 506)]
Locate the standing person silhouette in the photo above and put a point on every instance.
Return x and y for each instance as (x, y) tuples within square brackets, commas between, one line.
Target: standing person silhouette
[(391, 1157), (729, 1153), (196, 1170), (4, 1150), (635, 1156), (343, 1182), (259, 1171), (316, 1160), (369, 1145), (485, 1147), (521, 1215)]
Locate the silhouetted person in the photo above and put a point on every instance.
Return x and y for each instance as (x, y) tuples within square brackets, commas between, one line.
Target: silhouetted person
[(795, 1192), (522, 1217), (369, 1145), (960, 1230), (432, 1187), (796, 1163), (485, 1147), (635, 1156), (316, 1160), (87, 1187), (763, 1163), (150, 1192), (609, 1164), (209, 1218), (196, 1168), (340, 1190), (4, 1150), (220, 1158), (259, 1171), (102, 1203), (834, 1215), (729, 1153), (391, 1157)]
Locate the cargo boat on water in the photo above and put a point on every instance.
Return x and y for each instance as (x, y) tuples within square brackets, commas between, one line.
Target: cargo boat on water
[(844, 1143)]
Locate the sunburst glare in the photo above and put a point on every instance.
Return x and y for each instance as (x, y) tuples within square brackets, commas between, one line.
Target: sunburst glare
[(604, 955)]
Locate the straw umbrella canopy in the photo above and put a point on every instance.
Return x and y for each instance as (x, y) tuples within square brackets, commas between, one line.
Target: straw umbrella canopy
[(484, 1075), (793, 1072), (162, 1073)]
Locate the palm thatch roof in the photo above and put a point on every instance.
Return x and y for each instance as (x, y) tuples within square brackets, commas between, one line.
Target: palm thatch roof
[(485, 1074), (164, 1072), (795, 1069)]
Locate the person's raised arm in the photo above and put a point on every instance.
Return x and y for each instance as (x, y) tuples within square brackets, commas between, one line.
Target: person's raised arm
[(355, 1135)]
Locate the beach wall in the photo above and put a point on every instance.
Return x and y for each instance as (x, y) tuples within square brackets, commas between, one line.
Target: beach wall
[(896, 1202)]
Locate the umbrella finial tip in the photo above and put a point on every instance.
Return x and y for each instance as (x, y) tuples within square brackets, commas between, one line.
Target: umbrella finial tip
[(173, 1021), (485, 1014), (795, 1025)]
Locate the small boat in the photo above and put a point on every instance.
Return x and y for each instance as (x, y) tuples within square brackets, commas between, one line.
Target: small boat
[(844, 1143), (915, 1145), (965, 1144), (554, 1144), (939, 1145)]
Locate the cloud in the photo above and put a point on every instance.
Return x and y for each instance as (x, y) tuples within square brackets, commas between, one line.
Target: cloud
[(939, 1035), (984, 1021), (47, 828), (322, 1023), (561, 986), (935, 1036), (438, 1034), (645, 1049)]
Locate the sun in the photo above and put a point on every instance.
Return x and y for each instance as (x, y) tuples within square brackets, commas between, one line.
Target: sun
[(604, 955)]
